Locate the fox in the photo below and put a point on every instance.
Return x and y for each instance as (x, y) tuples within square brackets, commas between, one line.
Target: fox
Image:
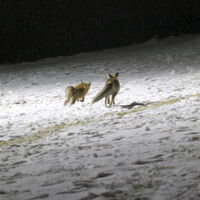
[(76, 93), (111, 88)]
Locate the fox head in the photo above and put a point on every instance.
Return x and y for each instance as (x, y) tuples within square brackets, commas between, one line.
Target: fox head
[(115, 76), (112, 78), (86, 85)]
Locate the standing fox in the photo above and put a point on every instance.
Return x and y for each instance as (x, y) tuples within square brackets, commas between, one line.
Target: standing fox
[(76, 93), (111, 88)]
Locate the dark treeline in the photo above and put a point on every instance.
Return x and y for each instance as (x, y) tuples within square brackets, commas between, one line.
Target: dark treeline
[(30, 30)]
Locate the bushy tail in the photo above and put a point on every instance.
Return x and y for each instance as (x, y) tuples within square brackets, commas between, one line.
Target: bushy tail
[(102, 94), (69, 91)]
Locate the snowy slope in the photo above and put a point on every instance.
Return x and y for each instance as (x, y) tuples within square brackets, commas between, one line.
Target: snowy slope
[(52, 151)]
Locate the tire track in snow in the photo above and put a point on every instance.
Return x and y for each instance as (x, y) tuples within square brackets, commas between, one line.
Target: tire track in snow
[(62, 126)]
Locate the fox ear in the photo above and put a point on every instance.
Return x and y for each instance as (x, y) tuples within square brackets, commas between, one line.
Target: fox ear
[(109, 76), (117, 74)]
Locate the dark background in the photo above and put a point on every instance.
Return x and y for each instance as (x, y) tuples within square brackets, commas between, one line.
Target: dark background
[(31, 29)]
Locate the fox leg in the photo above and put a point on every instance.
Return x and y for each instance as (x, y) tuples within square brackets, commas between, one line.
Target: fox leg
[(66, 101), (73, 100), (107, 100), (113, 99), (82, 100)]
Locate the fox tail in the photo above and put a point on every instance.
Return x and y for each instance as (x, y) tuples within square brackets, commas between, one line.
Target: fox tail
[(101, 94), (69, 91)]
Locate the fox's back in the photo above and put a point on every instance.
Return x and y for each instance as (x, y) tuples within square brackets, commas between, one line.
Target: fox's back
[(82, 87), (113, 84), (81, 90)]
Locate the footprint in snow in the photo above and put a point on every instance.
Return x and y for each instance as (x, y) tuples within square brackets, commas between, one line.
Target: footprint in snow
[(103, 174)]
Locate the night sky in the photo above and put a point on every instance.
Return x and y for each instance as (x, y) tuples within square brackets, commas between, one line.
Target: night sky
[(31, 30)]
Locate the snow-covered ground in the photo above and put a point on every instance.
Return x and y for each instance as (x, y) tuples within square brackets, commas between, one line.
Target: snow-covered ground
[(90, 152)]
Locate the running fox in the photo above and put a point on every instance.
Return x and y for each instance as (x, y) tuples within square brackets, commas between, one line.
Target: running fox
[(76, 93), (111, 88)]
